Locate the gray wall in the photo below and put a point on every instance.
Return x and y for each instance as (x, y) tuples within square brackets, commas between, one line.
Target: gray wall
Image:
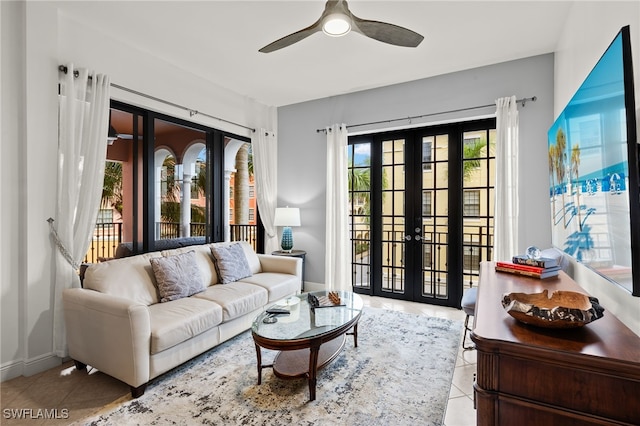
[(302, 151)]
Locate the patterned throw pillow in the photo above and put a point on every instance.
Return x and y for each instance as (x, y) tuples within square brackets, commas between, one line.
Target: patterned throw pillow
[(231, 262), (177, 276)]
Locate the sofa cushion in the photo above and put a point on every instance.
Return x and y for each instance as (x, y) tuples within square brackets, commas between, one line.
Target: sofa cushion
[(278, 285), (179, 320), (231, 262), (177, 276), (130, 278), (237, 298), (203, 259), (252, 258)]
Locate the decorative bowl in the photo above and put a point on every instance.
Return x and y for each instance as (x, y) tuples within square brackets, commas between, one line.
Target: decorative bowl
[(564, 309)]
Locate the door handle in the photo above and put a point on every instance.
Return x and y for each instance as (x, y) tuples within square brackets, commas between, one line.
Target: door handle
[(407, 237), (418, 237)]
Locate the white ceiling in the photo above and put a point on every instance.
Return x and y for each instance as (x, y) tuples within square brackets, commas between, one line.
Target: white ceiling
[(219, 40)]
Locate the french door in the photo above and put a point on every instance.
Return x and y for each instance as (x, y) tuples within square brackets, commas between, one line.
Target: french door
[(421, 210)]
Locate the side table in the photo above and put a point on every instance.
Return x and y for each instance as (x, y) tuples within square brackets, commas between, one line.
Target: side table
[(294, 253)]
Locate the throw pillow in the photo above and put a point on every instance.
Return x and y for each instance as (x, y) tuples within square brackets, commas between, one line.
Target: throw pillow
[(231, 262), (177, 276)]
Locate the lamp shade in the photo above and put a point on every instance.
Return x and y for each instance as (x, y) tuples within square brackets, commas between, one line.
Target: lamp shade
[(286, 216)]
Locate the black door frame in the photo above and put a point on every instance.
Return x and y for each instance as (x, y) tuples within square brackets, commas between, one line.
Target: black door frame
[(455, 251)]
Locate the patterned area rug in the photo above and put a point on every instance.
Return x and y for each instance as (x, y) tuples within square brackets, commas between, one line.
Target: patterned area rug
[(400, 374)]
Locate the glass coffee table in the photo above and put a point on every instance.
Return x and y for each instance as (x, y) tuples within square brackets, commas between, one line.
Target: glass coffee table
[(307, 339)]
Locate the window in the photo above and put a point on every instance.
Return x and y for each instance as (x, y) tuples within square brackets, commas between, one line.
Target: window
[(471, 201), (471, 258), (173, 183), (426, 203), (471, 141), (195, 193), (105, 216), (427, 256), (426, 155)]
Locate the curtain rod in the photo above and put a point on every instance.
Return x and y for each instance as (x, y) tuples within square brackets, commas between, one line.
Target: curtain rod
[(192, 112), (523, 101)]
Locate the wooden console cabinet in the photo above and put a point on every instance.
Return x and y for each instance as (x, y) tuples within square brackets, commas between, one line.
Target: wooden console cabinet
[(535, 376)]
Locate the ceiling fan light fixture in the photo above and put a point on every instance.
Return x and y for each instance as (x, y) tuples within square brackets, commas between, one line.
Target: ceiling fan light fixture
[(337, 20), (336, 25)]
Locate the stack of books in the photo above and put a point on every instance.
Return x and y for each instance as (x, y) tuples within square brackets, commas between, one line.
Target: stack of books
[(522, 265)]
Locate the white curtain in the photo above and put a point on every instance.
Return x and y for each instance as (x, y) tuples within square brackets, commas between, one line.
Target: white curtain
[(83, 119), (265, 168), (505, 243), (338, 245)]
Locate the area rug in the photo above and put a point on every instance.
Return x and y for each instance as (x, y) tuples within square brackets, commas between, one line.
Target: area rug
[(400, 374)]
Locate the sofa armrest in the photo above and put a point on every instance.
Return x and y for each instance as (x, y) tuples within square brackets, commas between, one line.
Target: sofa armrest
[(109, 333), (281, 264)]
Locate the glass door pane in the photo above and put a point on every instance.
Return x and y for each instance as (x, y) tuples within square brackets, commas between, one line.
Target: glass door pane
[(179, 181), (435, 220), (359, 181), (477, 199), (393, 216), (242, 221), (119, 224)]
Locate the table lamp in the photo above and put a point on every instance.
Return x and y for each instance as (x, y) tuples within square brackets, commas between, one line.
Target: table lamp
[(287, 217)]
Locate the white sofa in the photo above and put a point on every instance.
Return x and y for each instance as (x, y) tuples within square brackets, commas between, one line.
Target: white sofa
[(117, 324)]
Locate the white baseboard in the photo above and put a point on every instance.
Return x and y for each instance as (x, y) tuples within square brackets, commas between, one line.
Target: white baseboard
[(11, 370), (29, 367)]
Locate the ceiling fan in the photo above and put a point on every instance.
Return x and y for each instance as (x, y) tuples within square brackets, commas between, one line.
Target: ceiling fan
[(114, 135), (337, 20)]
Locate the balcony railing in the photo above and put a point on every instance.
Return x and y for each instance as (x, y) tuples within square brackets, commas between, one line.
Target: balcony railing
[(172, 229), (107, 237), (247, 233), (477, 247)]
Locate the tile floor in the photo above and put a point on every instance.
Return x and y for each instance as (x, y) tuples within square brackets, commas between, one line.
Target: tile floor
[(70, 395)]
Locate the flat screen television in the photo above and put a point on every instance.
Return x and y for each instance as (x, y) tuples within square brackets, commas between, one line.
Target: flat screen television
[(593, 171)]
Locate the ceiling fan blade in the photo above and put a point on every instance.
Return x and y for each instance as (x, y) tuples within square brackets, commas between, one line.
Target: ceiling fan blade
[(387, 33), (292, 38), (381, 31)]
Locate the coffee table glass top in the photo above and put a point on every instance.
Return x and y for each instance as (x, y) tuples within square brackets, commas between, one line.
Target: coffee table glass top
[(302, 322)]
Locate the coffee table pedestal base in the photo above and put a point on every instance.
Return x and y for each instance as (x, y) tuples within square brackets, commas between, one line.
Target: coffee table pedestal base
[(299, 363)]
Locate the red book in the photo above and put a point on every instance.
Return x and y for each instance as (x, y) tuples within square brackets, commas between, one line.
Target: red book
[(543, 275), (511, 265)]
